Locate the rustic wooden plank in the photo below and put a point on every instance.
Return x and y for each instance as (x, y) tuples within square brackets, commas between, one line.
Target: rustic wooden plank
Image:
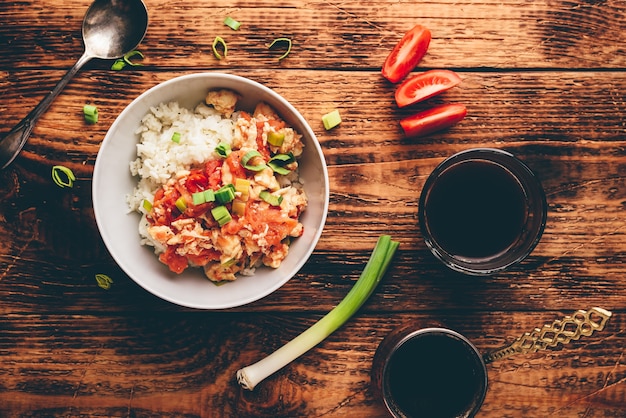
[(171, 365), (337, 35)]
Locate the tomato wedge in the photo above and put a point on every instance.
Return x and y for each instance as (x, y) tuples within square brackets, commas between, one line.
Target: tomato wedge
[(425, 85), (407, 53), (432, 120)]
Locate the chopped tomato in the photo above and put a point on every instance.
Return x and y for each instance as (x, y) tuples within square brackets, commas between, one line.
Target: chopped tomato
[(234, 164), (177, 263), (196, 181), (263, 149), (425, 85), (271, 221), (407, 53), (432, 120), (214, 175)]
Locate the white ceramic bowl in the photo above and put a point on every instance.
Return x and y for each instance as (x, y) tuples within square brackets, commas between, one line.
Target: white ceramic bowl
[(112, 181)]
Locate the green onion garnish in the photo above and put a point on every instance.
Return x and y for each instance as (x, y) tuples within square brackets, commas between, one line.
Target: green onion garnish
[(91, 113), (232, 23), (104, 281), (198, 198), (181, 205), (176, 137), (223, 149), (281, 41), (63, 176), (278, 162), (331, 119), (276, 138), (131, 54), (221, 215), (248, 377), (225, 194), (118, 65), (272, 199), (218, 41), (147, 205), (246, 161), (209, 195)]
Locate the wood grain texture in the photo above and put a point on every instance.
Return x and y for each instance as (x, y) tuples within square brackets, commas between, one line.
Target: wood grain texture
[(542, 79)]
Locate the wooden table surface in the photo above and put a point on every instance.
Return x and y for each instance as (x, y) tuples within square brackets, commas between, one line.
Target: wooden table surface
[(543, 79)]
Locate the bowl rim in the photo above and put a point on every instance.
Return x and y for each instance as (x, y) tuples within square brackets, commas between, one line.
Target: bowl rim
[(98, 175)]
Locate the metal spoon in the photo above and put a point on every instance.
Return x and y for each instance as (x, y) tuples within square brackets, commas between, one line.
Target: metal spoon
[(111, 29)]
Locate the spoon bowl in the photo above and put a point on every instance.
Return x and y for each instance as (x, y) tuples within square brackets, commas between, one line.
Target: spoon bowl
[(111, 29)]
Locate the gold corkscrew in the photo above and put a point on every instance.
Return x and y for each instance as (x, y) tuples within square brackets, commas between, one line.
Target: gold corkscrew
[(562, 331)]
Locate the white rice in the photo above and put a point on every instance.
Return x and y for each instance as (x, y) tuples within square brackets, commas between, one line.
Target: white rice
[(159, 158)]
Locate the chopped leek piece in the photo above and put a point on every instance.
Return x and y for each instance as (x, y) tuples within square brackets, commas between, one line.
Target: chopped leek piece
[(198, 198), (209, 195), (250, 376), (281, 41), (221, 215), (239, 207), (249, 157), (104, 281), (65, 180), (278, 162), (272, 199), (176, 137), (276, 138), (218, 41), (232, 23), (331, 119), (181, 205), (131, 54), (147, 205), (225, 194), (91, 113), (223, 149)]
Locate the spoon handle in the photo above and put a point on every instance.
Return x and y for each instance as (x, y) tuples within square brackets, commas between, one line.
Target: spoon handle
[(11, 144), (562, 331)]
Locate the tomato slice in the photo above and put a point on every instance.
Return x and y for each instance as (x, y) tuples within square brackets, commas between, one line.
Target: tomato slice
[(432, 120), (407, 53), (425, 85)]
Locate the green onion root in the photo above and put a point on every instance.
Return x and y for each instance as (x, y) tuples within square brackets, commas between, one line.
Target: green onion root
[(248, 377)]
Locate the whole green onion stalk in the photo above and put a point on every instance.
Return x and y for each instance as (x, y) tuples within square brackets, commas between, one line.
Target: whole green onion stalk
[(374, 270)]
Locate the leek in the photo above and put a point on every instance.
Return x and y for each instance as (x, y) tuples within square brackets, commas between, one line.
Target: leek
[(248, 377)]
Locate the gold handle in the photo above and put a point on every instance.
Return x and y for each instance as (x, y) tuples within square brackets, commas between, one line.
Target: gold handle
[(561, 331)]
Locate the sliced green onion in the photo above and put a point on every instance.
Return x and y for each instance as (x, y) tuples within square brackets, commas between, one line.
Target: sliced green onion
[(104, 281), (131, 54), (209, 195), (278, 162), (248, 377), (198, 198), (225, 194), (276, 138), (331, 119), (91, 113), (176, 137), (223, 149), (232, 23), (118, 65), (221, 215), (147, 205), (249, 157), (281, 41), (181, 205), (63, 176), (272, 199), (218, 41)]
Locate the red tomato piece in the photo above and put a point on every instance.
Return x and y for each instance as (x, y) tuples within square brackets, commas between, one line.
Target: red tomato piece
[(432, 120), (424, 86), (407, 53)]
